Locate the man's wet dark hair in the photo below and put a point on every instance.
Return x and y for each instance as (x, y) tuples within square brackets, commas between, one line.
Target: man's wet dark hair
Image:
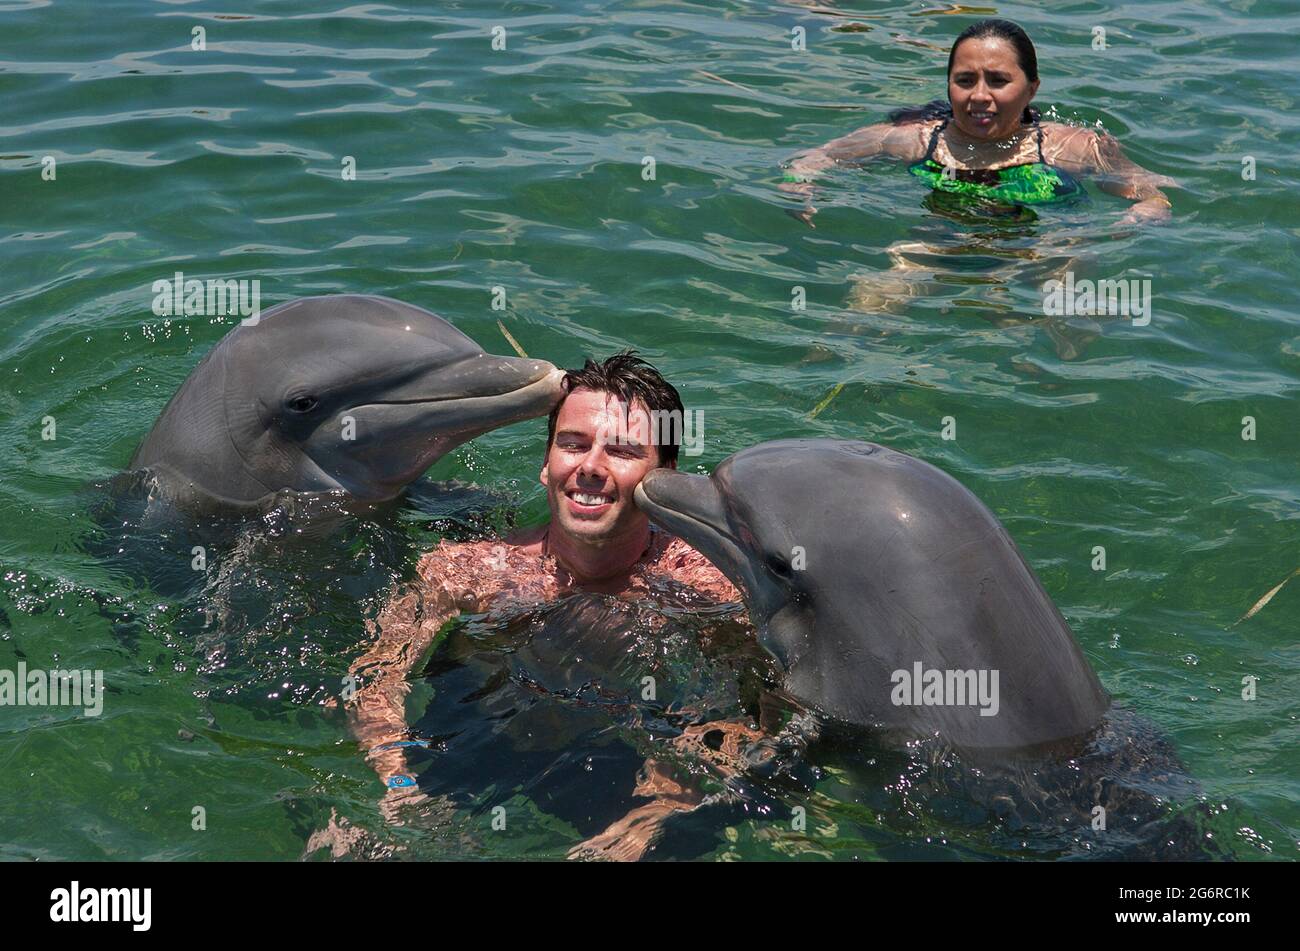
[(630, 378), (1026, 57)]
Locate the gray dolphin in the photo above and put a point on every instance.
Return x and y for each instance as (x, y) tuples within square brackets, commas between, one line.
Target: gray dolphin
[(858, 564), (347, 393)]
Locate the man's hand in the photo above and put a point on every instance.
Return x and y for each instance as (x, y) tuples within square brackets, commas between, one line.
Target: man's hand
[(398, 799), (722, 743), (628, 839)]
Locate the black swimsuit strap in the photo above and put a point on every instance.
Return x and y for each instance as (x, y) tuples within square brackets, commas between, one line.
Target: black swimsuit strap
[(934, 140), (1038, 126)]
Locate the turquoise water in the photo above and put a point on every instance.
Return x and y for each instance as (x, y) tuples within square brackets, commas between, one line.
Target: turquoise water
[(523, 168)]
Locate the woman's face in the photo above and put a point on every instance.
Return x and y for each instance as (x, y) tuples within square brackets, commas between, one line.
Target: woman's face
[(988, 89)]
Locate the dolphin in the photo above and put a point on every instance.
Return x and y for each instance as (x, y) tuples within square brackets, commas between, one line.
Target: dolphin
[(344, 394), (863, 568)]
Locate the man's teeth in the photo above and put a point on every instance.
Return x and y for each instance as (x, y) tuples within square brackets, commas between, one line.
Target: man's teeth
[(982, 115), (588, 498)]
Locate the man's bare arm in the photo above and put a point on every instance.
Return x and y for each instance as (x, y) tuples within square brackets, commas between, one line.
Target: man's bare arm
[(407, 626)]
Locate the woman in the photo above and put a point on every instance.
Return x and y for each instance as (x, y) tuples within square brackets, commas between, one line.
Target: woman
[(987, 142)]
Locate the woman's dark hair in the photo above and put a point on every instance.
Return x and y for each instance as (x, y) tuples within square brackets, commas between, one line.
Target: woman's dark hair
[(630, 378), (1026, 57)]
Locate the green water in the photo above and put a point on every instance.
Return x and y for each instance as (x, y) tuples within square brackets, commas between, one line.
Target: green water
[(523, 168)]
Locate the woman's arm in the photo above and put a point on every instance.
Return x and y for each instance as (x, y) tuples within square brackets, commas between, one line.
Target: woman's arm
[(1088, 152), (899, 141), (905, 142)]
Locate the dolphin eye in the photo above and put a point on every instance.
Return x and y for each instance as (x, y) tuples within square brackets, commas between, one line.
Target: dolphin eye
[(780, 566), (302, 404)]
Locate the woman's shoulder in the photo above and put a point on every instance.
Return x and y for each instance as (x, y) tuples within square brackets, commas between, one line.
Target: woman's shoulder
[(909, 139), (890, 138), (1064, 130), (1077, 145)]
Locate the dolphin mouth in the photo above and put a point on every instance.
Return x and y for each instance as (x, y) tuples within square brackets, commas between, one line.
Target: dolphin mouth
[(692, 507), (523, 388)]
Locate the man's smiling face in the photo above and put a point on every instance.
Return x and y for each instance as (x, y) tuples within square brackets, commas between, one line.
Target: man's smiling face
[(599, 454)]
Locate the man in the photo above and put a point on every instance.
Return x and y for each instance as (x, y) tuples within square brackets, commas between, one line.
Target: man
[(618, 420)]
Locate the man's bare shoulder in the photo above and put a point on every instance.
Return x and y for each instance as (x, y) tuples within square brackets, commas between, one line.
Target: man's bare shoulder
[(472, 573), (529, 541), (910, 140), (687, 566)]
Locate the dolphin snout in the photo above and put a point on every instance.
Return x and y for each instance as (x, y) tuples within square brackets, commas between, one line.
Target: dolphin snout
[(665, 493), (485, 374), (553, 384)]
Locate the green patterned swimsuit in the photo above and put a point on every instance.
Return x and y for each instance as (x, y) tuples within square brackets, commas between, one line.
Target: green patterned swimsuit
[(1033, 183)]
